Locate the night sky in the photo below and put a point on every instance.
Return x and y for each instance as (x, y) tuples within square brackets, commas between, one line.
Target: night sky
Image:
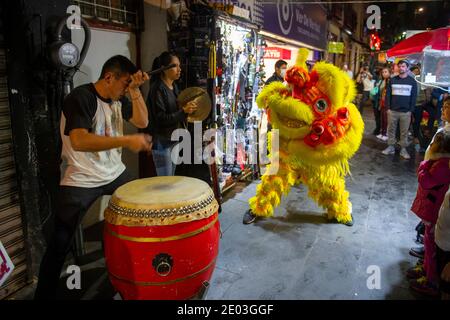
[(401, 16)]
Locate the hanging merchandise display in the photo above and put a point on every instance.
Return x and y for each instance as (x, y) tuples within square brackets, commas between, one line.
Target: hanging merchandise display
[(222, 53), (275, 49), (238, 81), (190, 38)]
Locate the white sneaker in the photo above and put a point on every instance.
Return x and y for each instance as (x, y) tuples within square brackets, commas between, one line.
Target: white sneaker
[(380, 136), (384, 138), (404, 154), (388, 150)]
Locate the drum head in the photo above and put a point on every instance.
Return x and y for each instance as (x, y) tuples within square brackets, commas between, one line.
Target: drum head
[(161, 201), (163, 192)]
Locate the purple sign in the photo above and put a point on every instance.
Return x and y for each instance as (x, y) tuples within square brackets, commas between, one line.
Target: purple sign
[(302, 22), (306, 23)]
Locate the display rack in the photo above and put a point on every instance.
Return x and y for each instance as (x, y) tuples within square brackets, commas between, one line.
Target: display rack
[(223, 54)]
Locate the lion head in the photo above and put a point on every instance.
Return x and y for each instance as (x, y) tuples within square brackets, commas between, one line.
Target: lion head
[(314, 113)]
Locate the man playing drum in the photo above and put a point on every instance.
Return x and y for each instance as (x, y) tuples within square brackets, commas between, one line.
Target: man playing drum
[(92, 142)]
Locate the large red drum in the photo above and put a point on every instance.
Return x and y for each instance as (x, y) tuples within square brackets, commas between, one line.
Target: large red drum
[(161, 237)]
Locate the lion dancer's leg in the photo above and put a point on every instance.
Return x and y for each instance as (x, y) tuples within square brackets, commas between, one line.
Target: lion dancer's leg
[(269, 192), (334, 198)]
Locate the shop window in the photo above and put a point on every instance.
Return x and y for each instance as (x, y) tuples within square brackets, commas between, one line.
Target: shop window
[(337, 11), (350, 18), (114, 12)]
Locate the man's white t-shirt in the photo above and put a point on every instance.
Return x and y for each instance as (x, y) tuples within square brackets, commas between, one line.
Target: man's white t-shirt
[(84, 108)]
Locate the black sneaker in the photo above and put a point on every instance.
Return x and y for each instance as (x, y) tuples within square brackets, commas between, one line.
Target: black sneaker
[(249, 217), (420, 239), (417, 252), (348, 223)]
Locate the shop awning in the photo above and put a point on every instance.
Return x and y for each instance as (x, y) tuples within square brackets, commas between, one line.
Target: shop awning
[(288, 41), (438, 39)]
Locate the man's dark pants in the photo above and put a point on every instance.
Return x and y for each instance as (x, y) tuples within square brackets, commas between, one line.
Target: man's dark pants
[(73, 203)]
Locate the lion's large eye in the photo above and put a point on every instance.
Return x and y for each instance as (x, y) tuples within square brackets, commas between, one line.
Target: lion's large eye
[(321, 105)]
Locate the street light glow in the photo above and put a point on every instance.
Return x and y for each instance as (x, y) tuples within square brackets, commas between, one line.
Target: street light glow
[(420, 9)]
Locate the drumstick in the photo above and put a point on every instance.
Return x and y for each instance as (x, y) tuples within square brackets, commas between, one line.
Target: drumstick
[(198, 95), (193, 98), (159, 70)]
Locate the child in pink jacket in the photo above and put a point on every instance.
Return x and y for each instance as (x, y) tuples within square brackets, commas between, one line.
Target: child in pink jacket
[(434, 181)]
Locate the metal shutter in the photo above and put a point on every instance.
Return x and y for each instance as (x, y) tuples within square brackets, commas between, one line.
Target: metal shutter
[(11, 228)]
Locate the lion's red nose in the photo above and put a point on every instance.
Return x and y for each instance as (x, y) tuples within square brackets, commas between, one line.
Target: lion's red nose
[(342, 114), (318, 128), (328, 129)]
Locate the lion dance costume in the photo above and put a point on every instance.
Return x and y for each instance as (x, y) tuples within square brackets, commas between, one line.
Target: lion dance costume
[(319, 131)]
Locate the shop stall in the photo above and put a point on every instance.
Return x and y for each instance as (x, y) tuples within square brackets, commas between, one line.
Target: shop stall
[(223, 54)]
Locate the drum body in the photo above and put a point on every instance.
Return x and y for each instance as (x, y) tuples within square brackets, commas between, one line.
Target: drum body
[(161, 238)]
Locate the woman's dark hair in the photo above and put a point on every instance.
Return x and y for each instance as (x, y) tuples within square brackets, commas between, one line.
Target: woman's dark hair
[(387, 68), (442, 138), (164, 59)]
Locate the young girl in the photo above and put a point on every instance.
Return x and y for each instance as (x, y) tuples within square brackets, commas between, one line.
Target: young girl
[(442, 239), (445, 117), (434, 180), (442, 233)]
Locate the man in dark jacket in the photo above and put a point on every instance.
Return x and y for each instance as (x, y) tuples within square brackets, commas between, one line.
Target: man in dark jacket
[(280, 72), (401, 97)]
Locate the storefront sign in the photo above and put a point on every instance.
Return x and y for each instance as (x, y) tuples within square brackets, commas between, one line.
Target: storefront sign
[(335, 47), (301, 22), (232, 9), (277, 53), (382, 57), (241, 12), (6, 265), (297, 21), (252, 8)]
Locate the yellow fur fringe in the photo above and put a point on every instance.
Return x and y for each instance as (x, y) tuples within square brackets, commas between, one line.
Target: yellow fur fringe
[(322, 169)]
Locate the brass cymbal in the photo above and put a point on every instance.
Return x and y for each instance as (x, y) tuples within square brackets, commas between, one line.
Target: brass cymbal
[(203, 102)]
